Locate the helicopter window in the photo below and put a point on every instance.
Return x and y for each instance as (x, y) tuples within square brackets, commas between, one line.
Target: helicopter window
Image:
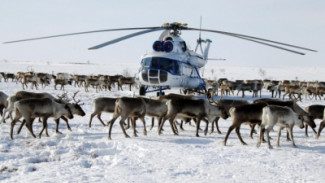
[(146, 62), (164, 64), (176, 68), (155, 63), (183, 45)]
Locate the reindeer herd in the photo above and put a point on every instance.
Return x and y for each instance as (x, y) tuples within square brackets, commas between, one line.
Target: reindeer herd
[(99, 82), (265, 113), (175, 108), (292, 88)]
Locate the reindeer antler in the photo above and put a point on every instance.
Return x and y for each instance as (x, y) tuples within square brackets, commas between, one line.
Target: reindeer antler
[(64, 97), (74, 99)]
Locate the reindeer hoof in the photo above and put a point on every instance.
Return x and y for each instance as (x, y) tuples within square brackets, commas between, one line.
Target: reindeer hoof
[(270, 147), (223, 143)]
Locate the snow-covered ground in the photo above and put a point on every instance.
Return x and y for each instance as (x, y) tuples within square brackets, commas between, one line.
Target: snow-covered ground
[(85, 155)]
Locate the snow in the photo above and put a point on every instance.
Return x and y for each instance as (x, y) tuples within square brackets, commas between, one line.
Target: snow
[(86, 155)]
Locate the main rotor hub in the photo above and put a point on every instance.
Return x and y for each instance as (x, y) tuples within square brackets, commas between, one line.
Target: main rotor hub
[(175, 27)]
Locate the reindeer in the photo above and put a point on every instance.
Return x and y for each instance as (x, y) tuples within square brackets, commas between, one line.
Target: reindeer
[(34, 80), (102, 104), (114, 79), (284, 117), (45, 78), (316, 112), (128, 107), (3, 101), (155, 108), (251, 113), (80, 80), (125, 81), (226, 104), (62, 75), (75, 109), (308, 119), (291, 90), (23, 95), (7, 76), (61, 82), (321, 126), (198, 109), (29, 109), (94, 82)]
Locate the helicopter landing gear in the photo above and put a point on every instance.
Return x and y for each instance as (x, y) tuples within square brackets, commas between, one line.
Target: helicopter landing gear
[(142, 90), (160, 93)]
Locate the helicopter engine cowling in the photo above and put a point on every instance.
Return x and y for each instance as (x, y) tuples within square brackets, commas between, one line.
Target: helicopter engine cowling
[(157, 46), (168, 46)]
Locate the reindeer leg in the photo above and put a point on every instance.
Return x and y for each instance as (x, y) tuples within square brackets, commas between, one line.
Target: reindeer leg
[(21, 126), (212, 126), (239, 136), (44, 127), (91, 118), (144, 125), (260, 139), (321, 126), (123, 129), (217, 125), (100, 119), (111, 122), (133, 126), (175, 127), (228, 133), (29, 125), (206, 127), (152, 122), (291, 136), (57, 122), (161, 125), (306, 130), (268, 137), (12, 125), (278, 139)]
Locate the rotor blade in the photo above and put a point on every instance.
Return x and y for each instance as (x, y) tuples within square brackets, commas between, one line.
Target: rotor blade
[(78, 33), (271, 45), (218, 59), (125, 37), (251, 37)]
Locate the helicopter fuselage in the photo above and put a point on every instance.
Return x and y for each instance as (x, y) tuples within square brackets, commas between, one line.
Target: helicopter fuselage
[(175, 67)]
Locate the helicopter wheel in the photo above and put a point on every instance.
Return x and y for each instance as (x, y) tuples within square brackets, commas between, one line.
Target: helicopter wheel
[(160, 94), (142, 90)]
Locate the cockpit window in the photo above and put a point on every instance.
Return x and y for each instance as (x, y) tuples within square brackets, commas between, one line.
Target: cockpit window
[(166, 64), (155, 63), (146, 63)]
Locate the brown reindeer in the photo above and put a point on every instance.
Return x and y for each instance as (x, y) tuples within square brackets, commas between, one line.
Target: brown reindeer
[(29, 109)]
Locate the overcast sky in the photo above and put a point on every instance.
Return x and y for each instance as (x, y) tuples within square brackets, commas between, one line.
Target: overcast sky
[(298, 22)]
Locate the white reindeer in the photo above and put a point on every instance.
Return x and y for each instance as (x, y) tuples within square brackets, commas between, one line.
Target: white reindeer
[(284, 117)]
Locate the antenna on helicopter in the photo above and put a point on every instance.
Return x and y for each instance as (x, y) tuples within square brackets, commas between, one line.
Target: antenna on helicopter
[(199, 41)]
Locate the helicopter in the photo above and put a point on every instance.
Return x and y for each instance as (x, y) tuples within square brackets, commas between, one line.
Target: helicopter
[(172, 63)]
